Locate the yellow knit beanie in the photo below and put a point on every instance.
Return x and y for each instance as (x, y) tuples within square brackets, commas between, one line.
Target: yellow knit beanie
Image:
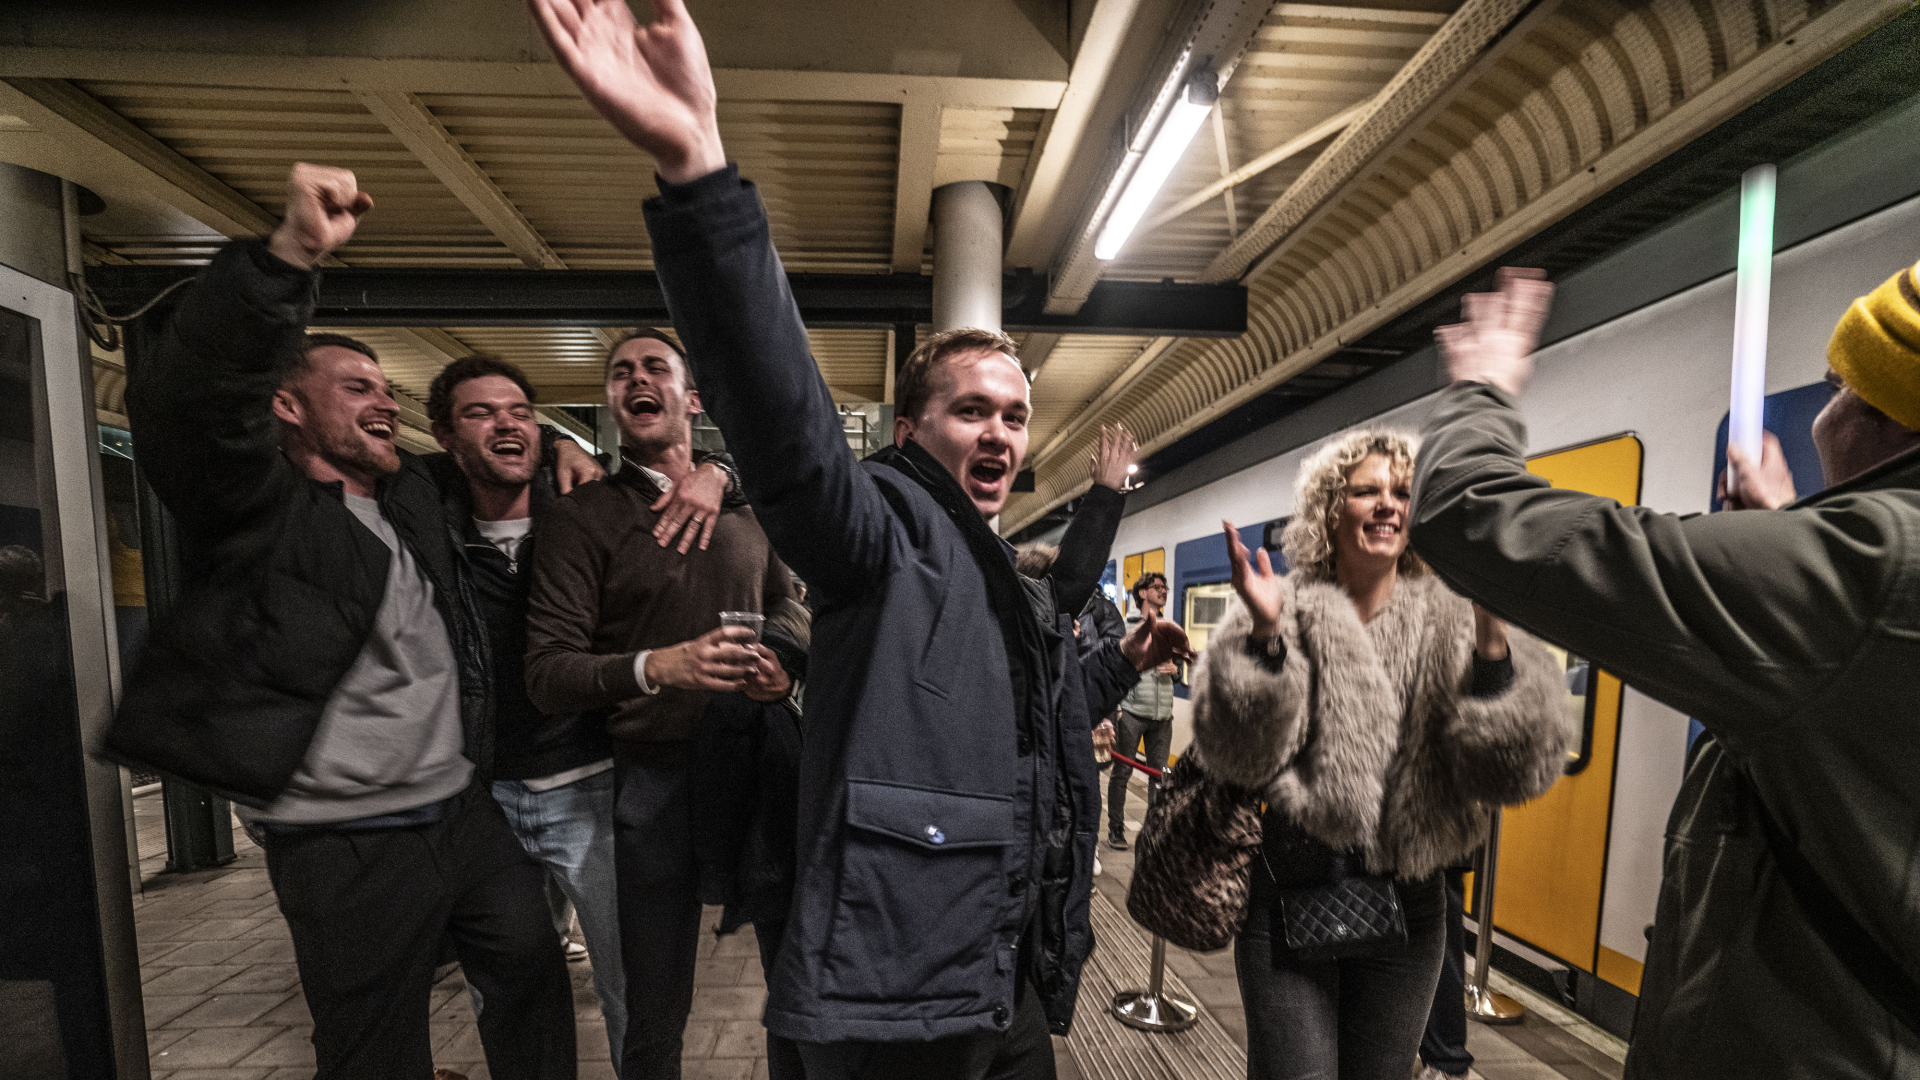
[(1876, 348)]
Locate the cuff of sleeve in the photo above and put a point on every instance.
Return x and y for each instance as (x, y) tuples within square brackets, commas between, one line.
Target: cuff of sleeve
[(1100, 493), (640, 673), (1270, 652), (1491, 678), (715, 183)]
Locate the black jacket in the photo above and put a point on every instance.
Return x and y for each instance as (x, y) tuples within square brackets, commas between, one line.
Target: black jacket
[(281, 581), (948, 799), (527, 742)]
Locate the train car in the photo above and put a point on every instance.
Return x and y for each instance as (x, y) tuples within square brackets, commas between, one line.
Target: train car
[(1632, 407)]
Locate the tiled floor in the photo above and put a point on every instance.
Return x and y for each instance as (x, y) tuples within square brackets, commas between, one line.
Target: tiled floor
[(223, 999)]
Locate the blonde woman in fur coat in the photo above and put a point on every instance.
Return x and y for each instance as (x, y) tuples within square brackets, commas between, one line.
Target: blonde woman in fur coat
[(1383, 716)]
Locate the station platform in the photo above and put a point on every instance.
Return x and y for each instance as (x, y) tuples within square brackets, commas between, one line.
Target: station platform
[(223, 998)]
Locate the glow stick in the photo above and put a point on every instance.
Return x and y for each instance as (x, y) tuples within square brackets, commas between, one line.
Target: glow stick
[(1753, 283)]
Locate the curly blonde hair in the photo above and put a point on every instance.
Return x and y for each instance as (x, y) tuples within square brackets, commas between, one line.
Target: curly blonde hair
[(1320, 494)]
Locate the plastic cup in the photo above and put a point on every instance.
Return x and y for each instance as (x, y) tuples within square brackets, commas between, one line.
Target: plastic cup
[(749, 619)]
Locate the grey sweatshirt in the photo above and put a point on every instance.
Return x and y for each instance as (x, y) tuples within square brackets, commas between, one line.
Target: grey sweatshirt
[(390, 738)]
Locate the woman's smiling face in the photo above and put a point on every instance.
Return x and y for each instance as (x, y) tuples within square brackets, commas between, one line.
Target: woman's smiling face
[(1372, 523)]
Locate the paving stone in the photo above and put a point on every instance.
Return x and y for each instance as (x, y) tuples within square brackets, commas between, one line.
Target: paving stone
[(198, 953), (741, 1038), (151, 952), (166, 929), (289, 1046), (1486, 1043), (590, 1041), (244, 908), (439, 1035), (212, 1047), (271, 926), (739, 943), (465, 1046), (1215, 992), (161, 1008), (718, 1069), (190, 980), (729, 1003), (700, 1035), (1518, 1070), (227, 929), (719, 971), (161, 1039), (228, 1010), (290, 1013), (262, 979), (263, 951)]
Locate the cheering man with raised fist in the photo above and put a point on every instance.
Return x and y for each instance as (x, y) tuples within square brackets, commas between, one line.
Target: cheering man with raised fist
[(325, 669)]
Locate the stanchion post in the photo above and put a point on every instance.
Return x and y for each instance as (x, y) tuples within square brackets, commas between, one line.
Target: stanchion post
[(1483, 1004), (1153, 1009)]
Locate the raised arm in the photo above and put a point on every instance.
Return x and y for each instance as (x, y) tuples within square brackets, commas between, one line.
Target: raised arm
[(201, 401), (727, 290), (1089, 537), (1726, 616)]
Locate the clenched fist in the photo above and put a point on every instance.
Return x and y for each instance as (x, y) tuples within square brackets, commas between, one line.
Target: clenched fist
[(323, 206)]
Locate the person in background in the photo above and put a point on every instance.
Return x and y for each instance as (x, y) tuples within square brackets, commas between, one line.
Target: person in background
[(1145, 715), (623, 627), (326, 668), (1787, 937), (1443, 1045), (948, 807), (553, 772), (1383, 718)]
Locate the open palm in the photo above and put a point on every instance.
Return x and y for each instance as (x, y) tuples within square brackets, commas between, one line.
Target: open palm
[(1260, 589), (652, 83)]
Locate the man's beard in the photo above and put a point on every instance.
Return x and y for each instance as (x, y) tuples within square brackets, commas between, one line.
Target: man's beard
[(652, 444), (480, 467), (347, 448)]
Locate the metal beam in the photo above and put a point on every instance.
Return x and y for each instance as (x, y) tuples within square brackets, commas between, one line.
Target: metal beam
[(368, 296), (518, 78), (166, 174), (913, 183), (1431, 76), (1332, 125), (414, 125)]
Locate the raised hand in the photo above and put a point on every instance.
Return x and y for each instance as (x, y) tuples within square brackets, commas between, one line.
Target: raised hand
[(652, 83), (1114, 457), (1502, 329), (1767, 486), (323, 206), (692, 505), (1261, 590), (1154, 642)]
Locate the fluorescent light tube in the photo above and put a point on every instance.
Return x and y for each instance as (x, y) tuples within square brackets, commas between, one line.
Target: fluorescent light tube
[(1169, 143), (1753, 284)]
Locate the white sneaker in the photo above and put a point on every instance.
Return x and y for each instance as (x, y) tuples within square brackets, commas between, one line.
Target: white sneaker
[(1096, 866), (574, 950), (1428, 1072)]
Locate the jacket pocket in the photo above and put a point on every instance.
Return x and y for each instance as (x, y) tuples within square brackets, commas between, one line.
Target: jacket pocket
[(922, 893)]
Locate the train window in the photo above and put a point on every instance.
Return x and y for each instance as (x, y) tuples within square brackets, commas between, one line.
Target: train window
[(1206, 609), (1579, 704)]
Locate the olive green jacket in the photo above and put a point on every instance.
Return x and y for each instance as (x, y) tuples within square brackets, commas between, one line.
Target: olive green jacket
[(1794, 637)]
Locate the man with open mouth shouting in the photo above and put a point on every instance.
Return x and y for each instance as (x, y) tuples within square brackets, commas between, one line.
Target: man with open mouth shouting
[(326, 668), (630, 631), (948, 802)]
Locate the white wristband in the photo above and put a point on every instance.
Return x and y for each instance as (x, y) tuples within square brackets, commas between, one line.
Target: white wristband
[(640, 673)]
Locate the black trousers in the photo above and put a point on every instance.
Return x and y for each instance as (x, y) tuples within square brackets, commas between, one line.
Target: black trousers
[(1128, 732), (1444, 1046), (1023, 1052), (658, 882), (369, 911), (1357, 1019)]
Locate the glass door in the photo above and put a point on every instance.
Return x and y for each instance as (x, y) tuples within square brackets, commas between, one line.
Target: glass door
[(66, 939)]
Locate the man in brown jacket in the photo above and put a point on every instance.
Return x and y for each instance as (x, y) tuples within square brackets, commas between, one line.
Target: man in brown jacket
[(618, 623)]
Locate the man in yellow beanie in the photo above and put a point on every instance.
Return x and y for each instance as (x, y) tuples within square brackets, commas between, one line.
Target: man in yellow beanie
[(1787, 939)]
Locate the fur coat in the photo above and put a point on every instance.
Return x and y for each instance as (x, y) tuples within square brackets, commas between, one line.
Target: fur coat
[(1368, 736)]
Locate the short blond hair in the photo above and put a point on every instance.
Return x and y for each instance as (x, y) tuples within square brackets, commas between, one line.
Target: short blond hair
[(1320, 493)]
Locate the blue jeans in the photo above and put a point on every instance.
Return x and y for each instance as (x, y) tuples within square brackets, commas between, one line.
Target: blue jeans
[(569, 830)]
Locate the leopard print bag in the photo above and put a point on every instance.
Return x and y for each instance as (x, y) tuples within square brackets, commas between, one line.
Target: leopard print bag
[(1192, 871)]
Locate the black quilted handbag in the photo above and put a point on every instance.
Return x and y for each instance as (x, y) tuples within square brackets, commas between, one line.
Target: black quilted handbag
[(1322, 908), (1192, 867)]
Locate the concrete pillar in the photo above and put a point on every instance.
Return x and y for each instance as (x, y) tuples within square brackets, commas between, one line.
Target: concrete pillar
[(967, 224)]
